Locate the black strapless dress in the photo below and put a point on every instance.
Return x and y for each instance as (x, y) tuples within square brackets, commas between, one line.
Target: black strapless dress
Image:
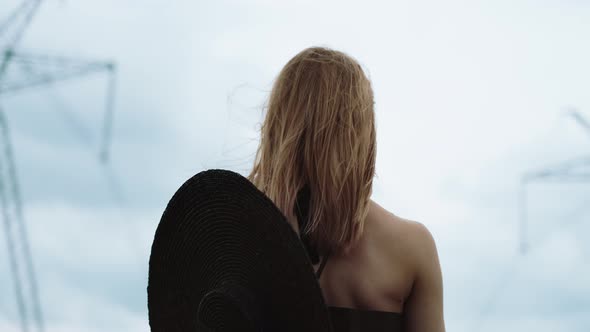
[(355, 320)]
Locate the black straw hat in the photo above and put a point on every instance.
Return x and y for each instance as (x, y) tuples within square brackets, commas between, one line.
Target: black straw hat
[(224, 258)]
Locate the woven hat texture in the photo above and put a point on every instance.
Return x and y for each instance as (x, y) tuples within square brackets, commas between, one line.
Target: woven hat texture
[(224, 258)]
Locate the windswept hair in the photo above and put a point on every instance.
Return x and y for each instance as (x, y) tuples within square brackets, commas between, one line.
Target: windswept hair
[(319, 134)]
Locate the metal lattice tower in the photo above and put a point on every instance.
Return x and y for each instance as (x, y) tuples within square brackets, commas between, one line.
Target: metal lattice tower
[(20, 71), (571, 171)]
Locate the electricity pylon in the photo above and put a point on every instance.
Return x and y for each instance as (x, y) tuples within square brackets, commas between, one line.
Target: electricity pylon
[(20, 71), (571, 171)]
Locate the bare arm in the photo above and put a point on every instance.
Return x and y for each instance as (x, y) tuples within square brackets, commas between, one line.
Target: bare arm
[(423, 311)]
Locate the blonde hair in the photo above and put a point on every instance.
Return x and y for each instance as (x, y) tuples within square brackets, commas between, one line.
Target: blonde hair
[(319, 134)]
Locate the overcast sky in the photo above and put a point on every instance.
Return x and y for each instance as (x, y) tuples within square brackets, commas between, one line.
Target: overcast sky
[(469, 96)]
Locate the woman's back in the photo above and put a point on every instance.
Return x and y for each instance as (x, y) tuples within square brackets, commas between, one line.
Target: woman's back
[(390, 274)]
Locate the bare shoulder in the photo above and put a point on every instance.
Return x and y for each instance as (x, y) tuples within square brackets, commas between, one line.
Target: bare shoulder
[(411, 250), (418, 238), (403, 236), (409, 232)]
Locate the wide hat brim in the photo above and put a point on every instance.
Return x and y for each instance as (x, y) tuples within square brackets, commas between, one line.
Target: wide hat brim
[(224, 258)]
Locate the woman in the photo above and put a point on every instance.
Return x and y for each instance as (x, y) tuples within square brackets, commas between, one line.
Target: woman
[(316, 161)]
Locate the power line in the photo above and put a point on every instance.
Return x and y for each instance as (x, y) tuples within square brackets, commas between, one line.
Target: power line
[(65, 69), (28, 17), (109, 113), (579, 118), (114, 185), (44, 70), (13, 16)]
